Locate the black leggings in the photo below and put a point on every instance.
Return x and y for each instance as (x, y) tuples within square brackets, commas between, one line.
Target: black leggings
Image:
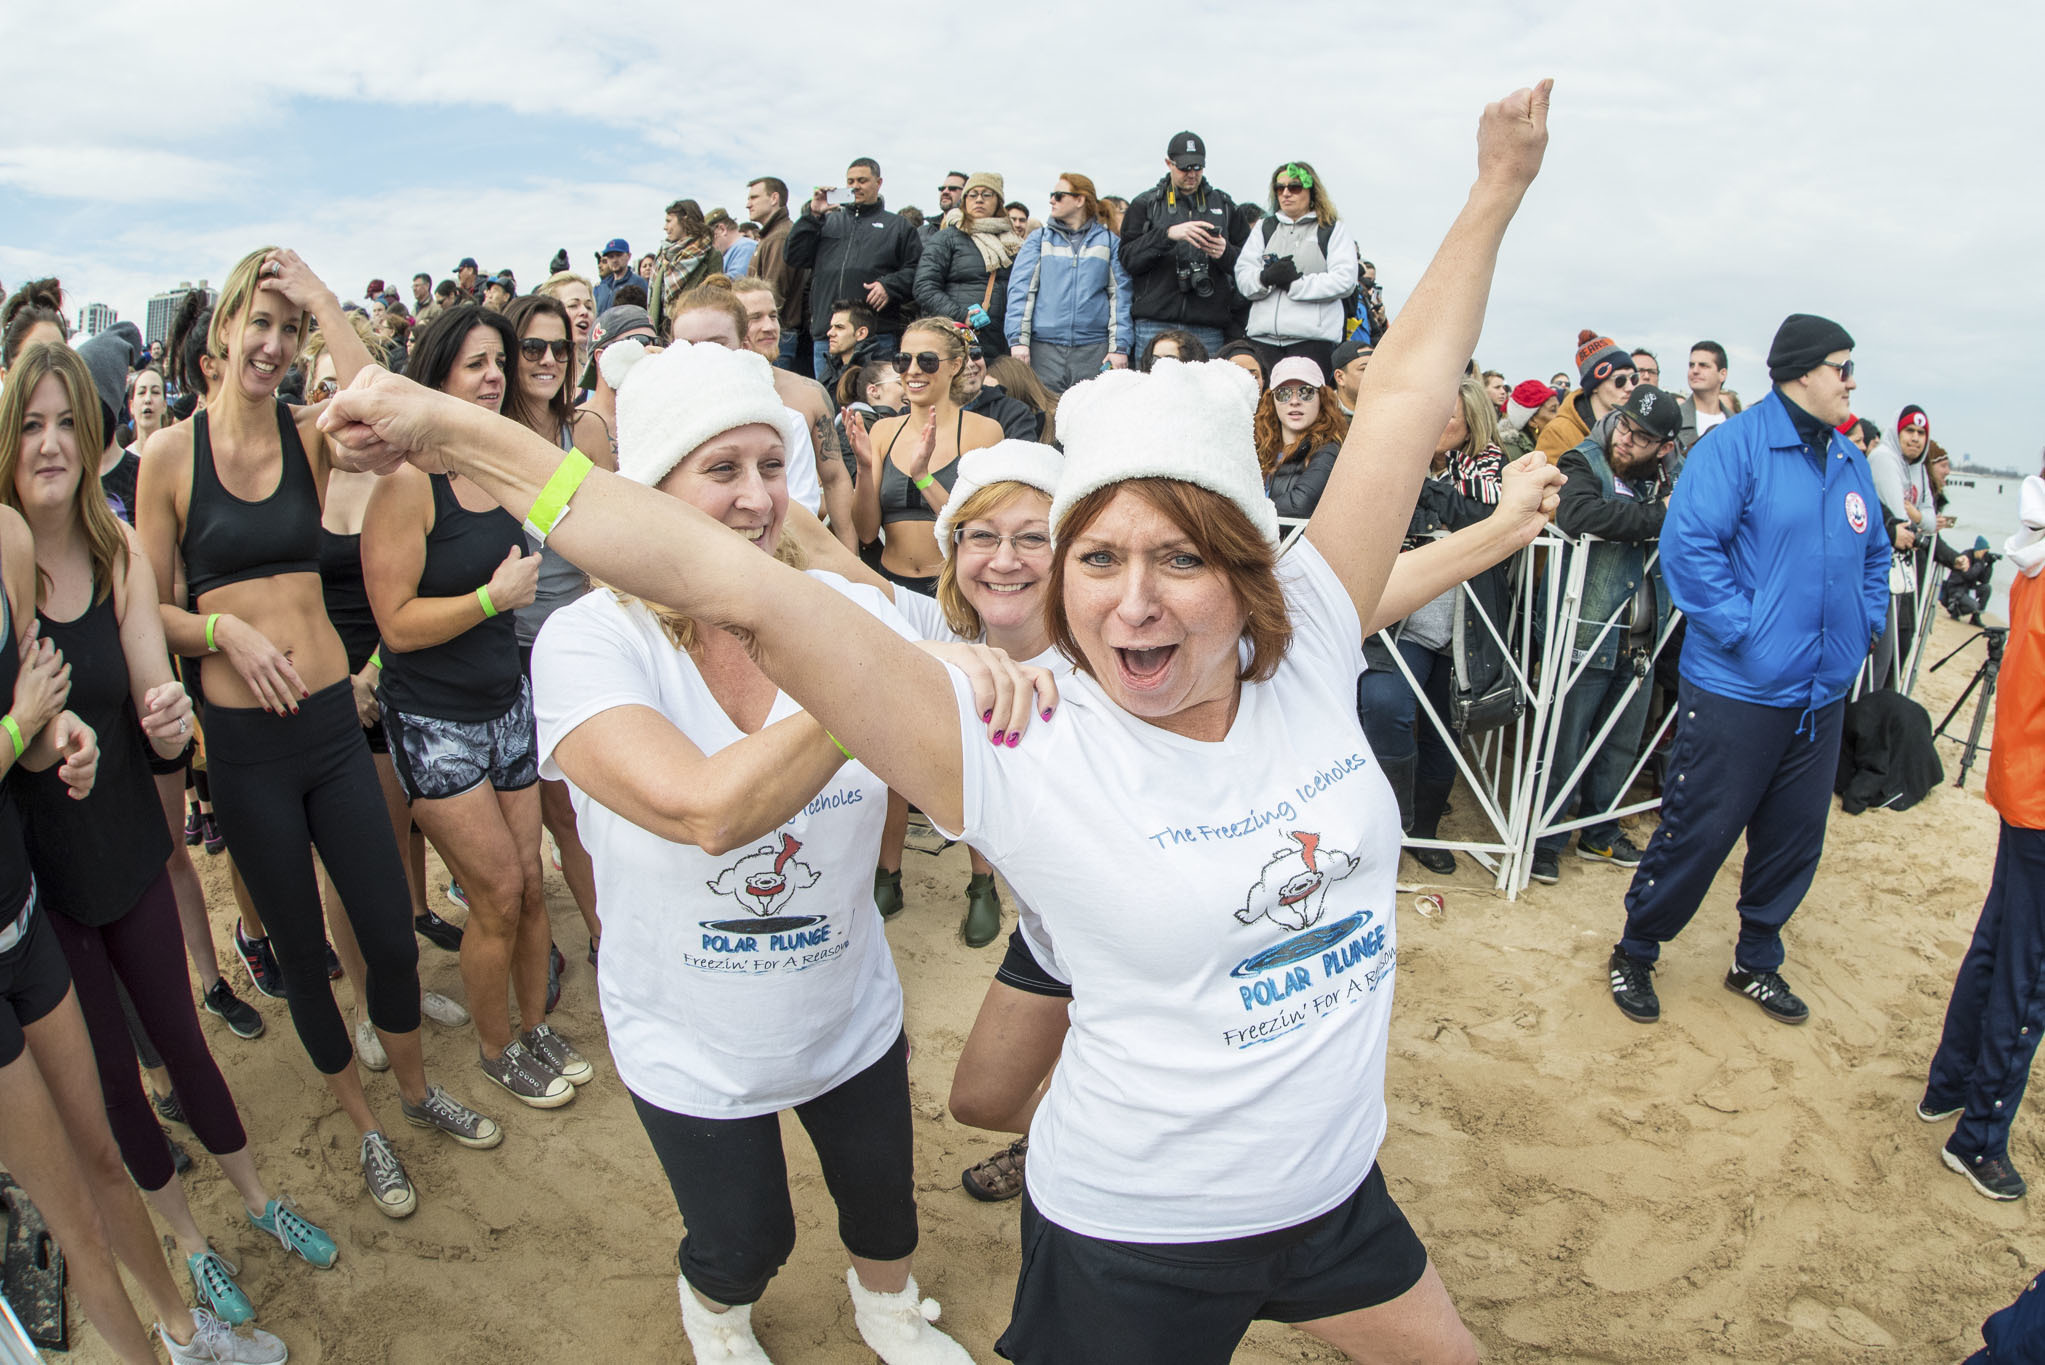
[(731, 1180), (144, 950), (282, 786)]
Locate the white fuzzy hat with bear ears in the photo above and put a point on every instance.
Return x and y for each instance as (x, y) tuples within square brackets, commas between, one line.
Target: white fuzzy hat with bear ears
[(1024, 462), (1186, 422), (671, 401)]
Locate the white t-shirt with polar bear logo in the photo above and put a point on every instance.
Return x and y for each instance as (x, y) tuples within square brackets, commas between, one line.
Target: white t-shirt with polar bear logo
[(1224, 912), (737, 984)]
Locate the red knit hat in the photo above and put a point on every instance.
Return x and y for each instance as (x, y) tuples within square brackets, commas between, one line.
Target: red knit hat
[(1531, 393), (1913, 416)]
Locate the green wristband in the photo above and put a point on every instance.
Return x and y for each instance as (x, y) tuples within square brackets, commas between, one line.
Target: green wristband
[(925, 482), (552, 504), (483, 596), (827, 735), (13, 729), (377, 660), (211, 622)]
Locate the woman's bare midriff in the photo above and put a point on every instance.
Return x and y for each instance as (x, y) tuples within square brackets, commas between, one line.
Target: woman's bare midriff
[(910, 550), (290, 612)]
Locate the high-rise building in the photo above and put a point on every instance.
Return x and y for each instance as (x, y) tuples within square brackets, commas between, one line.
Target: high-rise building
[(164, 307), (94, 318)]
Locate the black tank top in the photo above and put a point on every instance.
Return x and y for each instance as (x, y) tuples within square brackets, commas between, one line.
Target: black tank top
[(475, 675), (94, 858), (346, 598), (228, 540), (13, 844), (900, 500)]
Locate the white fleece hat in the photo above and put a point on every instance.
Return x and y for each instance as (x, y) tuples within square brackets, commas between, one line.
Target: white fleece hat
[(1185, 422), (1026, 462), (673, 401), (2026, 548)]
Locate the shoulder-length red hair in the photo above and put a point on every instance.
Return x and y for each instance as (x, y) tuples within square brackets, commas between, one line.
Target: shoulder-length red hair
[(1331, 425)]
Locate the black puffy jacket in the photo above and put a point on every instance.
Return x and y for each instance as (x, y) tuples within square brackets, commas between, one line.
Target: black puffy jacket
[(952, 276), (847, 250)]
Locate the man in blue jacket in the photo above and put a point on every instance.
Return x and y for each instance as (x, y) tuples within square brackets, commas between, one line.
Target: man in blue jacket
[(1773, 548)]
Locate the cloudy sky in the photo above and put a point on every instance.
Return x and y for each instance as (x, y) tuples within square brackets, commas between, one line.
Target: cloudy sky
[(1711, 166)]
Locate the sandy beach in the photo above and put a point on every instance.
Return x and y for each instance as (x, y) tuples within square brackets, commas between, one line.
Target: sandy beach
[(1715, 1187)]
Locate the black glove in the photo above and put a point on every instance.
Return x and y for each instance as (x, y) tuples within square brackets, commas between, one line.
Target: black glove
[(1280, 274)]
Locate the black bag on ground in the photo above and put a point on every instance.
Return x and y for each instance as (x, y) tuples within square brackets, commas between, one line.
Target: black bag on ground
[(1886, 756)]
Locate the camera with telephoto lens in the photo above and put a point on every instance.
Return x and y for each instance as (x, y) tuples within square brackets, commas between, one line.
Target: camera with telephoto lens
[(1196, 275)]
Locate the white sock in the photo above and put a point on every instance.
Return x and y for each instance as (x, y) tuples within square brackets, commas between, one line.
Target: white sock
[(898, 1326), (719, 1338)]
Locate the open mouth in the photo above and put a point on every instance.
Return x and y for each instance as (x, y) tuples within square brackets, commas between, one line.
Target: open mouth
[(1144, 668)]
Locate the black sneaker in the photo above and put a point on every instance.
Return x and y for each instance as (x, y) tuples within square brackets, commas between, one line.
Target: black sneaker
[(169, 1110), (333, 964), (242, 1019), (209, 828), (193, 832), (1993, 1176), (1633, 988), (1620, 851), (260, 959), (438, 931), (1439, 861), (1936, 1113), (180, 1159), (1771, 993), (1547, 867)]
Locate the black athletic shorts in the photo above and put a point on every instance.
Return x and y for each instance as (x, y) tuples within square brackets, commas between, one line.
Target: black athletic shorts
[(1020, 969), (436, 758), (33, 981), (1081, 1298)]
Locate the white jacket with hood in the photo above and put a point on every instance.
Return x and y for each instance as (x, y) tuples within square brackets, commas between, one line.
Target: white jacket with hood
[(1310, 308), (1904, 488)]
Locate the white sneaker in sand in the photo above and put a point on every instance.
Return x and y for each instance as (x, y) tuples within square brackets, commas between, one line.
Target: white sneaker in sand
[(369, 1048), (443, 1011)]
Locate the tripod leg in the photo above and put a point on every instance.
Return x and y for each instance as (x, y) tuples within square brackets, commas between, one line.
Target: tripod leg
[(1987, 678), (1965, 693)]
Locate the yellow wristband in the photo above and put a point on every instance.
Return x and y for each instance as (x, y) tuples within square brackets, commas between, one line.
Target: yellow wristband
[(483, 596), (827, 735), (925, 482), (211, 622), (13, 729), (552, 504)]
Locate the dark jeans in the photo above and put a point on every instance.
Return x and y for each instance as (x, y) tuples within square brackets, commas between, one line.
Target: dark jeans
[(144, 950), (1391, 715), (1737, 767), (1148, 330), (1595, 696), (730, 1179), (1998, 1002)]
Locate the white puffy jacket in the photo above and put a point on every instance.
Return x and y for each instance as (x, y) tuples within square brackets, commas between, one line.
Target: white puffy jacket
[(1310, 308)]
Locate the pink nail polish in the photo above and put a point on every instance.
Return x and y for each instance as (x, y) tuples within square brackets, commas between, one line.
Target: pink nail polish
[(1014, 737), (997, 739), (1047, 715), (988, 714)]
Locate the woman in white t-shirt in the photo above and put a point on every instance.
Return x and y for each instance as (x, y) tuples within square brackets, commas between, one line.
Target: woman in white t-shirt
[(1201, 829), (733, 839)]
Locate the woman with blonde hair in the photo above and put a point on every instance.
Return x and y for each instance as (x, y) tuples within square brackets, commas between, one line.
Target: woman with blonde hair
[(579, 299), (1296, 269), (963, 272)]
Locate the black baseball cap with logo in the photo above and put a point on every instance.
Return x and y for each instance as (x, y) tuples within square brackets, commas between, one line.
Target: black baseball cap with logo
[(1654, 411), (1187, 151)]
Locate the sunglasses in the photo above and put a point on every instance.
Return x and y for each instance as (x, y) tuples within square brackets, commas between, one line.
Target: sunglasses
[(926, 361), (535, 349), (324, 388), (974, 353), (1056, 195), (1285, 187), (1626, 379), (1845, 368), (1299, 393)]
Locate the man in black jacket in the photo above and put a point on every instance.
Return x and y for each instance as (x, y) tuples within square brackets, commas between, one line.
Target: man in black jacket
[(1180, 240), (857, 251)]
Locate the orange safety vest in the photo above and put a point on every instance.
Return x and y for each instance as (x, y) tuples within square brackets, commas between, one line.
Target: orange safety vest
[(2016, 759)]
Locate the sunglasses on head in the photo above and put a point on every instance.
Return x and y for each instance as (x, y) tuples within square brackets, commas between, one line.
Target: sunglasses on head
[(535, 349), (926, 361)]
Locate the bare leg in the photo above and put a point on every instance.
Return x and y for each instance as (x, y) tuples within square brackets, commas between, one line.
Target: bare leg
[(522, 811), (1420, 1327), (251, 921), (1007, 1060), (480, 850), (557, 812), (883, 1277)]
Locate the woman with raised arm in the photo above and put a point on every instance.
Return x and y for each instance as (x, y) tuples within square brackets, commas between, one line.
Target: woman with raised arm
[(1220, 1097), (746, 971), (230, 505), (100, 863)]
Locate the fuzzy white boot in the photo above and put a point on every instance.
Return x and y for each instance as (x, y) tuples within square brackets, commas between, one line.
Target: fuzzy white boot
[(897, 1326), (720, 1338)]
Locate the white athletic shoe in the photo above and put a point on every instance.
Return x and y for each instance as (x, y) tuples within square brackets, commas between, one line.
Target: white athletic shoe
[(369, 1048), (897, 1327), (719, 1338), (215, 1343), (443, 1011)]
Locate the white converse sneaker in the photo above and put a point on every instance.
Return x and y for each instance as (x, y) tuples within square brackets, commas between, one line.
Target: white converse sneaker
[(897, 1327), (215, 1343), (369, 1048), (443, 1011), (719, 1338)]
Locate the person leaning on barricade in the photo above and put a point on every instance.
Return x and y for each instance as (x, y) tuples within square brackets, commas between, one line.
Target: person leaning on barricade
[(1773, 550)]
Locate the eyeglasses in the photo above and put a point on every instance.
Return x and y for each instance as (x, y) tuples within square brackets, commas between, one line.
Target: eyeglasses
[(987, 542), (926, 361), (1294, 393), (1845, 368), (1641, 436), (1285, 188), (535, 349)]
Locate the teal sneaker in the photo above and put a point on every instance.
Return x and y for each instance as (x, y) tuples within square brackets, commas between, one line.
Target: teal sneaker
[(285, 1223), (214, 1287)]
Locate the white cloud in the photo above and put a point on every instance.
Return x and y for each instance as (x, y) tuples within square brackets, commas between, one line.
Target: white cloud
[(129, 174)]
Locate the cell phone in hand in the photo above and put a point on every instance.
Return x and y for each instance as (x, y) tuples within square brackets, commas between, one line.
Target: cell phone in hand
[(838, 198)]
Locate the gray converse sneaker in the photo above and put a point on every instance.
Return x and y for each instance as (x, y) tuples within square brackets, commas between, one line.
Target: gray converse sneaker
[(443, 1111), (388, 1184), (215, 1343), (559, 1054), (526, 1076)]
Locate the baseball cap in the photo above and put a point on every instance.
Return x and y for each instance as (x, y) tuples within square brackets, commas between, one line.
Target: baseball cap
[(467, 263), (620, 322), (1186, 151), (615, 244), (1654, 412), (1349, 350)]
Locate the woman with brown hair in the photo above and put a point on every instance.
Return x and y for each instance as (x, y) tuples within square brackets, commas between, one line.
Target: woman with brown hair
[(963, 272), (1296, 269), (1068, 295)]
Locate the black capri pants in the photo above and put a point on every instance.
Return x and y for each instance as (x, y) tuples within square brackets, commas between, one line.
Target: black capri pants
[(283, 786), (730, 1179)]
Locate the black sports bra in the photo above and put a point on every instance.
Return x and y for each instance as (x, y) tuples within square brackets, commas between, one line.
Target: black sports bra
[(899, 498), (228, 540)]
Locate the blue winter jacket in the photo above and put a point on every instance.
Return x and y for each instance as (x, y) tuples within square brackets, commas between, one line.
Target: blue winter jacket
[(1069, 289), (1775, 553)]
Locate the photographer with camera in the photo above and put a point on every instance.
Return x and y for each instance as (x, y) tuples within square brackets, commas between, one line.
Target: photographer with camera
[(1991, 1028), (1967, 587), (1180, 241)]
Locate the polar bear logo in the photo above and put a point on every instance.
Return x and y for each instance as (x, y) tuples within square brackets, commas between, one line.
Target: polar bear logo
[(1293, 890), (764, 880)]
